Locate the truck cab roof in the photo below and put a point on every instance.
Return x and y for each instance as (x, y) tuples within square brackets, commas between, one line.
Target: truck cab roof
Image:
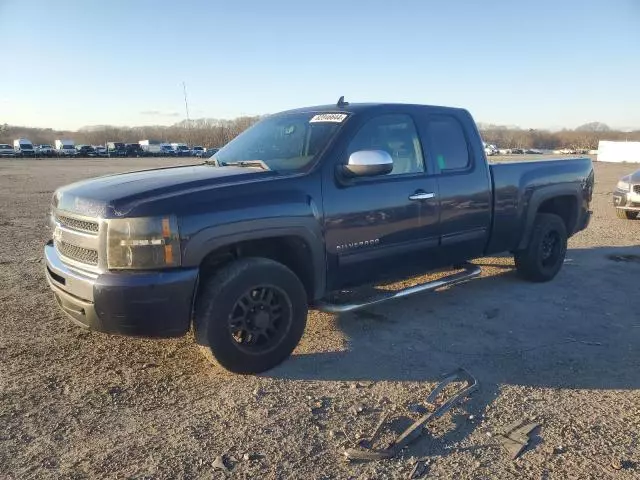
[(353, 108)]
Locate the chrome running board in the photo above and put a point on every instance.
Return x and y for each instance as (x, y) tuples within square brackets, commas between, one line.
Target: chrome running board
[(470, 271)]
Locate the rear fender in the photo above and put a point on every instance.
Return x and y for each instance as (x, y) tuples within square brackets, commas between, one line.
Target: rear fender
[(540, 196)]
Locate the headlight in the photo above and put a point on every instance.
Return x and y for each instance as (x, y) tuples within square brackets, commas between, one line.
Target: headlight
[(143, 243), (623, 186)]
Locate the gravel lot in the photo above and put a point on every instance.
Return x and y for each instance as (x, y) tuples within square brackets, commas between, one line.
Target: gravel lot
[(76, 404)]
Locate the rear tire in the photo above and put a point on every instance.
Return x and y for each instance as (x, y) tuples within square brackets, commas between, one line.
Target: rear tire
[(251, 315), (544, 256), (626, 214)]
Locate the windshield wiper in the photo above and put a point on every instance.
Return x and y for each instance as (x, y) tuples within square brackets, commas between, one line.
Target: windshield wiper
[(240, 163)]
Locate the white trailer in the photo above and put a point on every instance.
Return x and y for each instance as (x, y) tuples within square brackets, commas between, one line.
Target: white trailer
[(65, 148), (24, 147), (151, 147), (609, 151)]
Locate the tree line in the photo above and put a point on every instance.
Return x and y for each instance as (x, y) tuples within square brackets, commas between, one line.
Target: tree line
[(215, 133), (204, 132), (544, 139)]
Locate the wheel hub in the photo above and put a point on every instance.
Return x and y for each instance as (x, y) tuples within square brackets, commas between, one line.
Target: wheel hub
[(260, 319)]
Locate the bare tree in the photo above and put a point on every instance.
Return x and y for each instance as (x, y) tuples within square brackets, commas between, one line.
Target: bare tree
[(216, 133)]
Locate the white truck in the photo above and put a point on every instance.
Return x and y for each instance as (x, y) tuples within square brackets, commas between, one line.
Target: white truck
[(181, 149), (151, 147), (490, 149), (23, 147), (65, 148)]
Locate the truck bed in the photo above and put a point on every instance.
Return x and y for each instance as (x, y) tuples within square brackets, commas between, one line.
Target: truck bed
[(514, 184)]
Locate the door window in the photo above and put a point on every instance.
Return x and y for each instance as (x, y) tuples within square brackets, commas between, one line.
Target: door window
[(395, 134), (448, 144)]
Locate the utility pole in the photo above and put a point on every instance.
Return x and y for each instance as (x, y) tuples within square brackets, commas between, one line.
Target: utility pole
[(186, 107)]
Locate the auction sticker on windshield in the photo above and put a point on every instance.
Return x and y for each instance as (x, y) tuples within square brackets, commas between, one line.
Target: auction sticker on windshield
[(328, 117)]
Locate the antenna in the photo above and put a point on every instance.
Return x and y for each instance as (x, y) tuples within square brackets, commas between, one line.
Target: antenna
[(341, 102), (186, 107)]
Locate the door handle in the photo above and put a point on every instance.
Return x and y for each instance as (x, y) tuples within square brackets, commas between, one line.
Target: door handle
[(422, 196)]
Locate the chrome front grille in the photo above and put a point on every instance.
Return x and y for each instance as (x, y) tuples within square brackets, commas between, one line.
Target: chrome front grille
[(77, 224), (79, 254), (636, 188), (77, 240)]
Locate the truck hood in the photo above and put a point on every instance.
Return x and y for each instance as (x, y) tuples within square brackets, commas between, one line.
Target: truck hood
[(632, 177), (116, 195)]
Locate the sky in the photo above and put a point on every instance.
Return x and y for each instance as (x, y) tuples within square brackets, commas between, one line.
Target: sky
[(534, 64)]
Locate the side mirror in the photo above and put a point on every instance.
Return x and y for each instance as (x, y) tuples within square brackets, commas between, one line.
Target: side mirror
[(368, 163)]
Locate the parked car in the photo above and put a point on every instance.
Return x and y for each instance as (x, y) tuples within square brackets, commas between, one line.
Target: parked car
[(65, 148), (85, 151), (197, 151), (134, 150), (24, 148), (211, 151), (100, 151), (7, 150), (626, 197), (209, 247), (181, 149), (116, 149), (533, 151), (517, 151), (45, 151), (167, 151)]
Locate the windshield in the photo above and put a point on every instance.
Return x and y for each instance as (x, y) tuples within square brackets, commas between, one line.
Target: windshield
[(198, 148), (283, 142), (182, 147), (68, 146), (4, 146)]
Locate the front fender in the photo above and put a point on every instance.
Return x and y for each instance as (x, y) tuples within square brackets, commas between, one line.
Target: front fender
[(308, 229)]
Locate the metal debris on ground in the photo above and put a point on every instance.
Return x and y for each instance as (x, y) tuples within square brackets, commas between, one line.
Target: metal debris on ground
[(367, 452), (515, 437), (420, 469)]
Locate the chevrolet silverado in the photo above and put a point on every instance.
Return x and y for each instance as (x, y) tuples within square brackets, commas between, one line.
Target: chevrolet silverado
[(303, 204)]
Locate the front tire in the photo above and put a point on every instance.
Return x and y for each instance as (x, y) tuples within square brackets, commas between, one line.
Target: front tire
[(544, 256), (251, 314), (626, 214)]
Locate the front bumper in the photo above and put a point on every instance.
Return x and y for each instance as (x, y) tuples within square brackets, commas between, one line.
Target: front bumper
[(149, 304), (626, 200)]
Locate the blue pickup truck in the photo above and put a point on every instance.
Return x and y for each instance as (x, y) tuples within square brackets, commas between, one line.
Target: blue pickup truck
[(303, 204)]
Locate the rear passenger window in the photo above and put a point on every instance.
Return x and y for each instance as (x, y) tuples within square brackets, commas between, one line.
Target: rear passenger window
[(448, 144)]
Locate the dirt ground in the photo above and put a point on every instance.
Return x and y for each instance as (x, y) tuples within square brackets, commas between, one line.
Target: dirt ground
[(76, 404)]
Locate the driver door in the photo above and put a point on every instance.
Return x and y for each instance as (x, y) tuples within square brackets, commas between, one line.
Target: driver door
[(381, 227)]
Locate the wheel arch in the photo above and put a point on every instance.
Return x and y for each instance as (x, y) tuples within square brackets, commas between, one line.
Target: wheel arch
[(561, 200), (299, 247)]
